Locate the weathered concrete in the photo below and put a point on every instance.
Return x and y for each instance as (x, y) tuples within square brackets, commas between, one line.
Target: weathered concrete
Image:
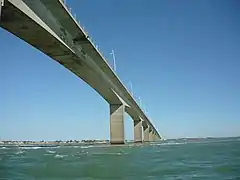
[(117, 135), (138, 132), (155, 137), (159, 138), (151, 135), (49, 26), (146, 133)]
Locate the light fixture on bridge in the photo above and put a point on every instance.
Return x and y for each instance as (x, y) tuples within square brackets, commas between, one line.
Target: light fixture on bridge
[(114, 60), (140, 102), (131, 88)]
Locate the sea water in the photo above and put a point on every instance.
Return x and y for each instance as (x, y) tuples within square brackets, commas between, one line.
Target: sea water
[(207, 159)]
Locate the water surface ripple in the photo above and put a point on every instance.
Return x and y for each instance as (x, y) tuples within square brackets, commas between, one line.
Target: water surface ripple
[(217, 159)]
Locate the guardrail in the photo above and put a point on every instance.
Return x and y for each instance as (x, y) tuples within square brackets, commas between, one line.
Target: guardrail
[(74, 17)]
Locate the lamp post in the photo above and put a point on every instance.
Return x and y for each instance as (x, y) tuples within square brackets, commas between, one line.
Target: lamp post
[(131, 88), (114, 60)]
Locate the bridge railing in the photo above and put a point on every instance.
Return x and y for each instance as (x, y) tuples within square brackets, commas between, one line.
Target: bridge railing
[(81, 27), (74, 16)]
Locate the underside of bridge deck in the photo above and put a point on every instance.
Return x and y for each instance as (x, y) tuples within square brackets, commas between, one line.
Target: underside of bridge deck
[(48, 26)]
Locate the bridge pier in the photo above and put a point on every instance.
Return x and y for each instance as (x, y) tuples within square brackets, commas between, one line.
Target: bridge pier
[(69, 45), (151, 135), (138, 131), (155, 137), (117, 124), (146, 133)]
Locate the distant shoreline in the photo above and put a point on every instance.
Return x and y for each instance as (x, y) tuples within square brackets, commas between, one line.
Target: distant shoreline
[(57, 143), (93, 142), (50, 143)]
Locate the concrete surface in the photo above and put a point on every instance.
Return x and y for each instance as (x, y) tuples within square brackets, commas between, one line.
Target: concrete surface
[(117, 124), (138, 131), (50, 27)]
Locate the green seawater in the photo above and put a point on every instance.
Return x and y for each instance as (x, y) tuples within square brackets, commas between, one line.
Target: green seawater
[(209, 159)]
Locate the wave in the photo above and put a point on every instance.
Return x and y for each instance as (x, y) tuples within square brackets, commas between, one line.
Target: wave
[(117, 153), (38, 147), (4, 147), (47, 154), (60, 156), (19, 152), (32, 147), (52, 147), (51, 152), (169, 143), (85, 147)]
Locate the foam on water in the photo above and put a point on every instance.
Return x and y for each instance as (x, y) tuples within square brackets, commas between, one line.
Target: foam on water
[(211, 161), (168, 143), (85, 147), (109, 153), (60, 156), (53, 147), (51, 152), (19, 152), (31, 147), (4, 147), (38, 147), (47, 154)]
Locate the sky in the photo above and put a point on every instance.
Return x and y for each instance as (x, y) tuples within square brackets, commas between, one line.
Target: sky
[(181, 57)]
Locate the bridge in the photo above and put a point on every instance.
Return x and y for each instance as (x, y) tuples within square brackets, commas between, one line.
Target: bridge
[(49, 26)]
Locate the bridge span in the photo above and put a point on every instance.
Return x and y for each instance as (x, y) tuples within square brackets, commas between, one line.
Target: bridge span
[(49, 26)]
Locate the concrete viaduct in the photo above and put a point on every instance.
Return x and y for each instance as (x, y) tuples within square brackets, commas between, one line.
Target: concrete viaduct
[(49, 26)]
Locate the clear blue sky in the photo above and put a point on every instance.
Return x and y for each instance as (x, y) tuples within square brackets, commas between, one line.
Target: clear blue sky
[(182, 57)]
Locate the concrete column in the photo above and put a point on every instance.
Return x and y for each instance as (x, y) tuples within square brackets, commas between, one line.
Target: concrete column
[(138, 131), (155, 137), (146, 133), (117, 124), (159, 138), (151, 135)]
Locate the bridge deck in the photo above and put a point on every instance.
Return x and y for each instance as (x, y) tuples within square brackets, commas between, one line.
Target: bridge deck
[(63, 39)]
